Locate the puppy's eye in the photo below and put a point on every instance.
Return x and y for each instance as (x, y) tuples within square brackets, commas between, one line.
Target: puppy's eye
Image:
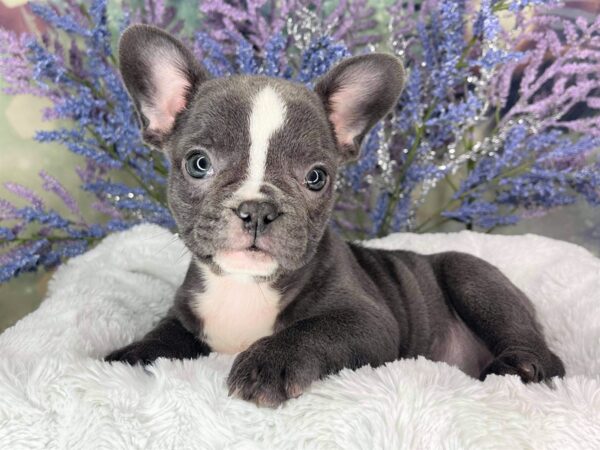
[(315, 179), (198, 165)]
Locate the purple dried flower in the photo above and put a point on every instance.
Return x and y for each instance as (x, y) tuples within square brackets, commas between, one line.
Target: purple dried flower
[(551, 89), (487, 25), (53, 185), (159, 10), (15, 69), (6, 234), (321, 55), (352, 22), (517, 5), (7, 210), (212, 56), (275, 55), (232, 21), (64, 22), (245, 59), (106, 208), (26, 194), (20, 259), (530, 164), (377, 215)]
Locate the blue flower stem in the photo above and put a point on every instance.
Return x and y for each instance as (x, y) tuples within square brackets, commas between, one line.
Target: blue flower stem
[(73, 77), (511, 212), (502, 5), (113, 152), (37, 237), (434, 226), (461, 62), (423, 228), (412, 153), (157, 166), (144, 186), (87, 15), (450, 183), (361, 233)]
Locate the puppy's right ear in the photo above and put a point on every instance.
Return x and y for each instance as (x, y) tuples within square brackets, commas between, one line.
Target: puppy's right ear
[(161, 76)]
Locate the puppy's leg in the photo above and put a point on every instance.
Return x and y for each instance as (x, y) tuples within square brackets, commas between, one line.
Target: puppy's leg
[(169, 339), (281, 366), (500, 314)]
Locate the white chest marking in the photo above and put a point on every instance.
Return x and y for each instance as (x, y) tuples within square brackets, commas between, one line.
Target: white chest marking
[(267, 116), (235, 311)]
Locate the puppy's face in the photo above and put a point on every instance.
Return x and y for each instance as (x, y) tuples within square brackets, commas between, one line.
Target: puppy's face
[(253, 169), (253, 159)]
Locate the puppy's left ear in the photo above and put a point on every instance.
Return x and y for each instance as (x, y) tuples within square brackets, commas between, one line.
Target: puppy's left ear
[(357, 93)]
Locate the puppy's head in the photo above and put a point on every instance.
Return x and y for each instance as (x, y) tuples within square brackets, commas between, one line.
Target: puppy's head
[(253, 159)]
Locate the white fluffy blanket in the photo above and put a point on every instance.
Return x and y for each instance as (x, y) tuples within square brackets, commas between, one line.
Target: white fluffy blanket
[(55, 392)]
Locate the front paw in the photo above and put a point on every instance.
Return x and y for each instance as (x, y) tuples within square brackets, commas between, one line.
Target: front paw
[(141, 352), (526, 365), (270, 372)]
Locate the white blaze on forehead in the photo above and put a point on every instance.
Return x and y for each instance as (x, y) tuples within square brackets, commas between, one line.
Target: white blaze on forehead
[(267, 116)]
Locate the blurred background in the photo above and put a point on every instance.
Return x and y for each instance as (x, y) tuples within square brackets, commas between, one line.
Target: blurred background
[(21, 159)]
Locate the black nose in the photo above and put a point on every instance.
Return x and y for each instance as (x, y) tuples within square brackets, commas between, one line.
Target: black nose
[(256, 216)]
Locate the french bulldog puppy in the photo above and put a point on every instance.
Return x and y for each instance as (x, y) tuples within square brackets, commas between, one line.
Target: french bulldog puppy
[(251, 186)]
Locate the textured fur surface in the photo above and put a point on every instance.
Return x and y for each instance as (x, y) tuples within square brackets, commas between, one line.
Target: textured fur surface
[(55, 392)]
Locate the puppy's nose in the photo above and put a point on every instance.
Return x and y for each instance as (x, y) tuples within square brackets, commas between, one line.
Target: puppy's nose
[(256, 216)]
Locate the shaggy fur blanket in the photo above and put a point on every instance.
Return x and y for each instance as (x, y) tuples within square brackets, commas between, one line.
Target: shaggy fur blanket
[(55, 392)]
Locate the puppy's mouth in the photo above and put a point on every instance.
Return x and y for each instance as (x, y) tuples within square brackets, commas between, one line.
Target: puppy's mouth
[(252, 260)]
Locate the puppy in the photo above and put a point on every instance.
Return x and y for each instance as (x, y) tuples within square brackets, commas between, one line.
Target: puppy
[(251, 187)]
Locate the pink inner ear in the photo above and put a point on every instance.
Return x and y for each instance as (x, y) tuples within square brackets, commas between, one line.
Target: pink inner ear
[(343, 133), (168, 99), (344, 103)]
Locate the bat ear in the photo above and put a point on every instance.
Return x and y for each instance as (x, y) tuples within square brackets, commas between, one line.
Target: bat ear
[(161, 76), (357, 93)]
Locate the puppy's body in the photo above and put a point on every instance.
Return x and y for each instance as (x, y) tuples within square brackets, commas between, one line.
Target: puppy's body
[(253, 165), (232, 312)]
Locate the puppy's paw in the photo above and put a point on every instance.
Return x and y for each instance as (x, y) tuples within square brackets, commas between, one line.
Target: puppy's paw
[(269, 373), (141, 352), (529, 367)]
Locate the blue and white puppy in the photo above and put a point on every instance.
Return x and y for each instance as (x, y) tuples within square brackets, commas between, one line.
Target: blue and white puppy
[(251, 186)]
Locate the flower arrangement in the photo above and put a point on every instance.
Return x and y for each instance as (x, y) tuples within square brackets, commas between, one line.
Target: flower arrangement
[(502, 119)]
